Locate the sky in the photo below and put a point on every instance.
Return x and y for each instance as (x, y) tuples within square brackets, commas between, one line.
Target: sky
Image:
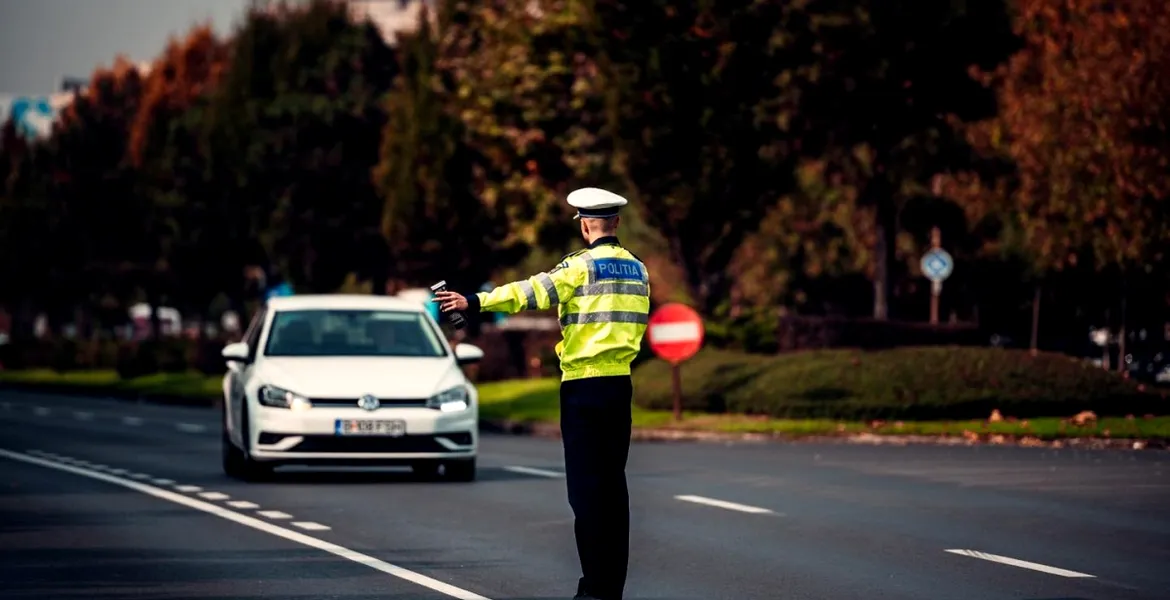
[(43, 41)]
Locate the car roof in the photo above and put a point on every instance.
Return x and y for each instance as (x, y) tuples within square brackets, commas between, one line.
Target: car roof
[(344, 302)]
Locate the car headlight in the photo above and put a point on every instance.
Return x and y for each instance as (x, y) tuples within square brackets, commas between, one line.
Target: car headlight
[(280, 398), (451, 400)]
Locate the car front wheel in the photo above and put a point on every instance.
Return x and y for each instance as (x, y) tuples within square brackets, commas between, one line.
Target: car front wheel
[(461, 470), (237, 464)]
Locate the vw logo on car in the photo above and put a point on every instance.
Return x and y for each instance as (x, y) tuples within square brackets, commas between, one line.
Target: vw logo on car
[(369, 402)]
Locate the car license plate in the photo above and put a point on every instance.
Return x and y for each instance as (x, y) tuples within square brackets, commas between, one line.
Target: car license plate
[(394, 428)]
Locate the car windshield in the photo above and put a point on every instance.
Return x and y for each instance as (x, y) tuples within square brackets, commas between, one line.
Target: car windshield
[(334, 332)]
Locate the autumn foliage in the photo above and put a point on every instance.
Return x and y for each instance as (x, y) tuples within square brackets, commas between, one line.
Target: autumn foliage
[(781, 159), (183, 73), (1083, 118)]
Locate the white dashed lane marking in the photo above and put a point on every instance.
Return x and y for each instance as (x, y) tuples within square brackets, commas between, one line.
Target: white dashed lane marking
[(163, 481), (243, 504), (259, 525), (533, 471), (274, 514), (1015, 562), (82, 415), (131, 421), (188, 488), (190, 427), (139, 476), (41, 411), (311, 526), (214, 495), (724, 504)]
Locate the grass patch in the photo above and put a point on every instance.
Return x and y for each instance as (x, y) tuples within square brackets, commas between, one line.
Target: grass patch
[(537, 401), (180, 385)]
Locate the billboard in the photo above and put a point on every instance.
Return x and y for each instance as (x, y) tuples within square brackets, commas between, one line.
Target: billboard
[(33, 115)]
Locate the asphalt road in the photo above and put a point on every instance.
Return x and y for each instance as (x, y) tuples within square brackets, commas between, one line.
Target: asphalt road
[(103, 499)]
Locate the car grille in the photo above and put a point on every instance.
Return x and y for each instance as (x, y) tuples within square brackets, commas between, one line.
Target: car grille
[(406, 443), (385, 402)]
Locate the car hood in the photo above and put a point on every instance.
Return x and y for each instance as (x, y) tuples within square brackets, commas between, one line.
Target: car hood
[(397, 377)]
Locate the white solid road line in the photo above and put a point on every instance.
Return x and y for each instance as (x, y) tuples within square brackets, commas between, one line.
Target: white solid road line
[(259, 525), (274, 514), (243, 504), (723, 504), (311, 526), (532, 471), (131, 420), (1015, 562), (190, 427), (214, 495)]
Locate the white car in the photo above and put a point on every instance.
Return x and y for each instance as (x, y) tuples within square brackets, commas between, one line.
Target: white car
[(348, 380)]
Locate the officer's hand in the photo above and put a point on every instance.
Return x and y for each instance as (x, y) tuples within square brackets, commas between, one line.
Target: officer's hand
[(449, 301)]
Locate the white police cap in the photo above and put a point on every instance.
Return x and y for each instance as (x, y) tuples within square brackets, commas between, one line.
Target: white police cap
[(595, 203)]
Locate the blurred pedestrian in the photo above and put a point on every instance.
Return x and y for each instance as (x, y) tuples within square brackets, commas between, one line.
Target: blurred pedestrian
[(602, 295)]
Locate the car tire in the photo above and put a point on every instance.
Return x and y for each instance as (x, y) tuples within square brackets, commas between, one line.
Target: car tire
[(237, 462), (233, 458), (426, 470), (460, 470)]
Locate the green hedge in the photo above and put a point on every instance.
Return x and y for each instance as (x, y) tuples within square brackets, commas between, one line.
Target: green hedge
[(904, 383), (129, 358)]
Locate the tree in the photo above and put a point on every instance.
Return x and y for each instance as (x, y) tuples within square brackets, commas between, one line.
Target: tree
[(293, 131), (891, 78), (527, 86), (103, 231), (436, 226), (1084, 120), (165, 149), (27, 226), (703, 111)]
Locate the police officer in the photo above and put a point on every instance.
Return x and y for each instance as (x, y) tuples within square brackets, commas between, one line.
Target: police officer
[(602, 295)]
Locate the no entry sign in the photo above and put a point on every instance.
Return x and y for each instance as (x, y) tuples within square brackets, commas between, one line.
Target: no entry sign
[(675, 332)]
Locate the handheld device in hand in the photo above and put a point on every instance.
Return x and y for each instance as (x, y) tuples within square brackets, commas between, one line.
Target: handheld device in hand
[(457, 318)]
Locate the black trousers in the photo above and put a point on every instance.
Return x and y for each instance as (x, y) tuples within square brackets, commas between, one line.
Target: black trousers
[(595, 428)]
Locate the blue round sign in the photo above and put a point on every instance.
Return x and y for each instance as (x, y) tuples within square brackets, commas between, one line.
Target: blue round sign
[(937, 264)]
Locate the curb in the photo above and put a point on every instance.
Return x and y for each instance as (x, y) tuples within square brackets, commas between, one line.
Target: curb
[(552, 430)]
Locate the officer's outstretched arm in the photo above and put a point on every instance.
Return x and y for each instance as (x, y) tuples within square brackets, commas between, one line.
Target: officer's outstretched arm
[(539, 292)]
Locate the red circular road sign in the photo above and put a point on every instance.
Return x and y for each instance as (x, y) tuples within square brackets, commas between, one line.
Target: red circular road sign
[(675, 332)]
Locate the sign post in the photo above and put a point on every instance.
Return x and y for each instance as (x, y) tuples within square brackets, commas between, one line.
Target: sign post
[(937, 265), (676, 333)]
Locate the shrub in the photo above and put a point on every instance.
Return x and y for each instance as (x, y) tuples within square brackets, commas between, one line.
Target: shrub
[(916, 383), (706, 379)]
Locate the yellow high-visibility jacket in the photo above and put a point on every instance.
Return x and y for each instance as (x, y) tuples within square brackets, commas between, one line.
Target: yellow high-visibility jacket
[(602, 294)]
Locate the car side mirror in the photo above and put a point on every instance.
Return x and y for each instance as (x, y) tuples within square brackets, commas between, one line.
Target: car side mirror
[(237, 352), (466, 354)]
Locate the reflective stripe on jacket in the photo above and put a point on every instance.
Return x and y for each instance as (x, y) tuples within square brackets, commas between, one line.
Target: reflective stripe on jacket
[(602, 295)]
